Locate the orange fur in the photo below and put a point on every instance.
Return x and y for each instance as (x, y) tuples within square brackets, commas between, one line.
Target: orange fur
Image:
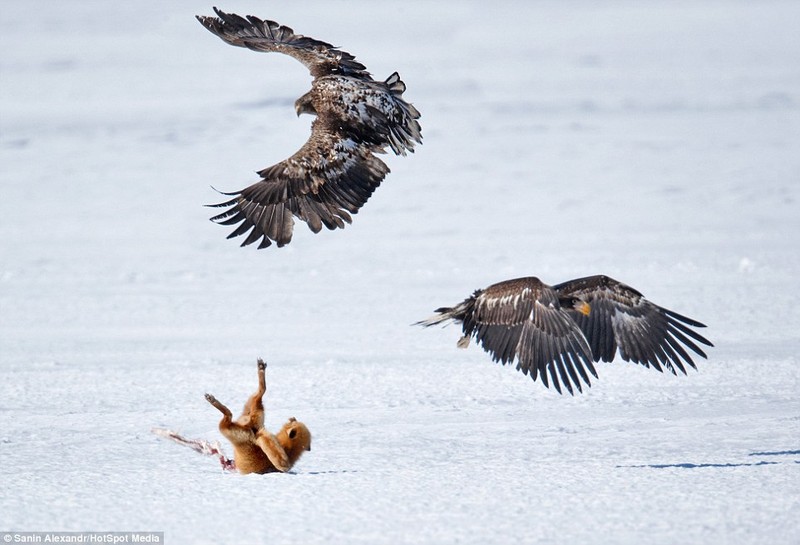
[(256, 450)]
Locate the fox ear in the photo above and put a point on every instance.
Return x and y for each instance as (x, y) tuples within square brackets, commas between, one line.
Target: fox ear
[(292, 433)]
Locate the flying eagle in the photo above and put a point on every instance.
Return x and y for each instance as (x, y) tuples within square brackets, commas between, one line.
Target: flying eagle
[(336, 170), (558, 331)]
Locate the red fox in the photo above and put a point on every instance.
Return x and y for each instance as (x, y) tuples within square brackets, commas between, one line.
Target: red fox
[(256, 450)]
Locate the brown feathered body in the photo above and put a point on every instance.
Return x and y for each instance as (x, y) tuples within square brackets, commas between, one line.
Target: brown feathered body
[(557, 332), (336, 171)]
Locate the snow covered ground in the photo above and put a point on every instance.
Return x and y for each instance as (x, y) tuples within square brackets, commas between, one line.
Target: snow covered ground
[(656, 142)]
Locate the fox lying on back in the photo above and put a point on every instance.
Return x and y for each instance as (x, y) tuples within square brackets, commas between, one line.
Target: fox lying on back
[(256, 450)]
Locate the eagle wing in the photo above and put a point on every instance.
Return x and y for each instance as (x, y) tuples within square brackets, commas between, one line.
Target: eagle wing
[(319, 57), (325, 181), (622, 318), (522, 318)]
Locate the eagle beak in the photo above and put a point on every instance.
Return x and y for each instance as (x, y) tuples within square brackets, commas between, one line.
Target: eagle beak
[(584, 308)]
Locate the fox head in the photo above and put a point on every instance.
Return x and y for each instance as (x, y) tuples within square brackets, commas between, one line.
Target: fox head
[(295, 438)]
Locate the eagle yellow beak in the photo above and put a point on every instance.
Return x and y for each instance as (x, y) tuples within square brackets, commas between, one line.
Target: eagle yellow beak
[(584, 308)]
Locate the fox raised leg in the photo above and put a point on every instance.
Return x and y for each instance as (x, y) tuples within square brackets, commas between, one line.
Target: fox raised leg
[(253, 412), (222, 408)]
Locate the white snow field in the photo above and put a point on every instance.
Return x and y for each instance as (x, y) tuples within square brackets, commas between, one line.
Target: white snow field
[(656, 142)]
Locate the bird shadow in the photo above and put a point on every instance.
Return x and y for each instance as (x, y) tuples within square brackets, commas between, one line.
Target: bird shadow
[(691, 465), (688, 465), (776, 453)]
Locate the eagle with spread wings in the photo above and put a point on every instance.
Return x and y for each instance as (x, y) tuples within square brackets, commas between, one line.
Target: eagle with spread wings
[(557, 332), (336, 171)]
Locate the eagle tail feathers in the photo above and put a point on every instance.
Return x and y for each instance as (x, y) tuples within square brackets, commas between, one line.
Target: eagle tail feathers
[(445, 314), (442, 317)]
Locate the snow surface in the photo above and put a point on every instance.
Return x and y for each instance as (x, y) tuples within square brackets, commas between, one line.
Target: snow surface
[(656, 142)]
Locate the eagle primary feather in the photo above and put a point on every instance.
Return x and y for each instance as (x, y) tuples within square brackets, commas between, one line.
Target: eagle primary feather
[(621, 318), (556, 332), (336, 171)]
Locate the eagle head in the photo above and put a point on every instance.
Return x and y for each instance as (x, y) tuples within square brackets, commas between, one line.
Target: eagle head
[(304, 105), (575, 303)]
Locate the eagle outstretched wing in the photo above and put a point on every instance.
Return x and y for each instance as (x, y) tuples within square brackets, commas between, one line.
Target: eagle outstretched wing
[(336, 171), (319, 57), (320, 189), (622, 318), (522, 319)]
